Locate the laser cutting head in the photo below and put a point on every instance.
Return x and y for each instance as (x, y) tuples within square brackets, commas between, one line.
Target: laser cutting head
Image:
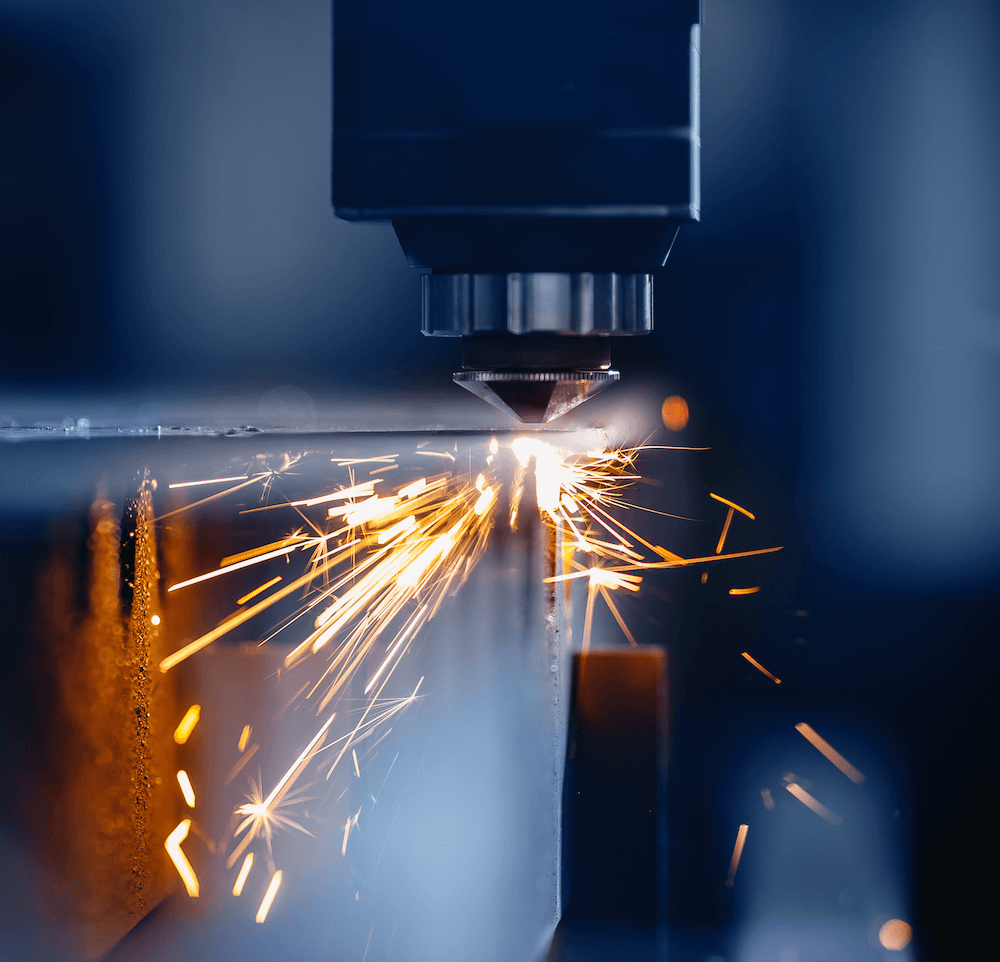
[(535, 161), (536, 344)]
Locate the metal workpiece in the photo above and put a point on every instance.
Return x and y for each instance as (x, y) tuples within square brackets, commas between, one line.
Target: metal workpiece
[(528, 303)]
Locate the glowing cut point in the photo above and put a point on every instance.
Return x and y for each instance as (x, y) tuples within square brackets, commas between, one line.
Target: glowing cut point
[(494, 447), (272, 890), (183, 866), (183, 730), (241, 879), (548, 470), (186, 788)]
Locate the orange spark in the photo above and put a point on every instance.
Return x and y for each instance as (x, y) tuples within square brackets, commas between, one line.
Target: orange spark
[(725, 531), (235, 567), (895, 935), (186, 790), (205, 640), (400, 527), (186, 725), (741, 837), (241, 879), (437, 454), (183, 866), (753, 661), (261, 549), (745, 591), (829, 752), (241, 764), (813, 805), (732, 504), (244, 738), (674, 412), (258, 590), (191, 484), (765, 794), (272, 890), (411, 489)]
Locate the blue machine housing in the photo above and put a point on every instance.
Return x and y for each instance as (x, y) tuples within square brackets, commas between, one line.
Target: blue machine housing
[(522, 136)]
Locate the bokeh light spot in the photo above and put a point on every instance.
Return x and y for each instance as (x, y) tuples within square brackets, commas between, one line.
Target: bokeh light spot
[(895, 935), (675, 413)]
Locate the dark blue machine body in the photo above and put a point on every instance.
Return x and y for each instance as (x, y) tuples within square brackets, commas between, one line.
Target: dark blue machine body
[(522, 136)]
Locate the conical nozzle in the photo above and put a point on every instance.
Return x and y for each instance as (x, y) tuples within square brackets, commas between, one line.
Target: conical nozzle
[(535, 397)]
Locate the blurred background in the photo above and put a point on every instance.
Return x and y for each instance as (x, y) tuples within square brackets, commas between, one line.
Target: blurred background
[(834, 321)]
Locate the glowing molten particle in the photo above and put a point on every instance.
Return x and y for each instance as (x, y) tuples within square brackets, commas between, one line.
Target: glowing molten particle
[(674, 412), (895, 935)]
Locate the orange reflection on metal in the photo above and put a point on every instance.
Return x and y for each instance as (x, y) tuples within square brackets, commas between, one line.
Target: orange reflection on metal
[(741, 837), (829, 752), (753, 661), (186, 725), (186, 788), (813, 805), (183, 866)]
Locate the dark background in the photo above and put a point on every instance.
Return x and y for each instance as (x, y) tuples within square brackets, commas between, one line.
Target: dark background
[(165, 228)]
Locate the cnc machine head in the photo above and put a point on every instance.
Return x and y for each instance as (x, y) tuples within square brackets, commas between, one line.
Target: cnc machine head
[(535, 160)]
